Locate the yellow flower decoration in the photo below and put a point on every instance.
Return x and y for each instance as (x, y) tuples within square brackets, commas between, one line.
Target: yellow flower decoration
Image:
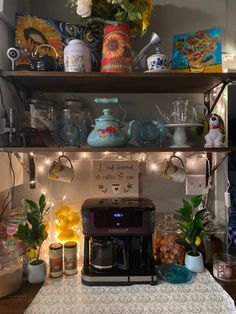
[(32, 32), (114, 47)]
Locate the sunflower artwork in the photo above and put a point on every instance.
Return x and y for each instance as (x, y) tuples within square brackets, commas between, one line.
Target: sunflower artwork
[(198, 52), (32, 31)]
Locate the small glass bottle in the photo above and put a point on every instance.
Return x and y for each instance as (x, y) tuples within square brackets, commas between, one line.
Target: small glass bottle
[(70, 258), (55, 260)]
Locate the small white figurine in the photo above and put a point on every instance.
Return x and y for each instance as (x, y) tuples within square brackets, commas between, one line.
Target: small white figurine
[(214, 131)]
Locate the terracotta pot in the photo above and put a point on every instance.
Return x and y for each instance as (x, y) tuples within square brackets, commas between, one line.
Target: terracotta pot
[(194, 263), (36, 272), (116, 50)]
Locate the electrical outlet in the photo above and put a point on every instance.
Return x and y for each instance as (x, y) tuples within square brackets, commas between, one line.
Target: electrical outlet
[(195, 185)]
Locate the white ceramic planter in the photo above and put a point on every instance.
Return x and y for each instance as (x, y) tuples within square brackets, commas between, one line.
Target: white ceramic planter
[(194, 263), (36, 273)]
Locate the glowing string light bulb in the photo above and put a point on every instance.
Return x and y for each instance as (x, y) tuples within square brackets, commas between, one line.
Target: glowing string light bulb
[(154, 167), (47, 161)]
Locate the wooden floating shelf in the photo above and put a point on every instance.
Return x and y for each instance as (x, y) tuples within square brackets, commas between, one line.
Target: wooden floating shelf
[(133, 82), (121, 149)]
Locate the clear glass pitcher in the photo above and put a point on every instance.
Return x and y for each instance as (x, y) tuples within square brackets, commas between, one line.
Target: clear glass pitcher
[(183, 112)]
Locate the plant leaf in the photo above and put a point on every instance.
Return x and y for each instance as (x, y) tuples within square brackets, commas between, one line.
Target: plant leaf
[(33, 218), (186, 211), (42, 203), (196, 200), (32, 204), (22, 232)]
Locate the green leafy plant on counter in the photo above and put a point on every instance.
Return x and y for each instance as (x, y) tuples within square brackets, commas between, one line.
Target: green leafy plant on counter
[(33, 232), (193, 222)]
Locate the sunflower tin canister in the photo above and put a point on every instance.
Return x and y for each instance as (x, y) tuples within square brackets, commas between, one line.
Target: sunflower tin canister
[(116, 50), (70, 258), (55, 260)]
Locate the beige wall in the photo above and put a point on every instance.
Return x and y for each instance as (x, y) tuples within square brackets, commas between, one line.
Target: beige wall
[(169, 17)]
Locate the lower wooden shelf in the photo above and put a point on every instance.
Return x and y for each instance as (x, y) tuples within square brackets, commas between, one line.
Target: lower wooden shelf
[(128, 149)]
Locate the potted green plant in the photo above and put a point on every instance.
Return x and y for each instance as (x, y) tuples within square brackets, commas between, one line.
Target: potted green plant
[(192, 229), (33, 233)]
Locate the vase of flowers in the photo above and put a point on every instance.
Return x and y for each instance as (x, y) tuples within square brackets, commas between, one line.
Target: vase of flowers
[(122, 19), (34, 233), (192, 227)]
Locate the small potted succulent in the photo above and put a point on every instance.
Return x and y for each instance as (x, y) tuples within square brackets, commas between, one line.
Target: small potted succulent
[(192, 227), (33, 233)]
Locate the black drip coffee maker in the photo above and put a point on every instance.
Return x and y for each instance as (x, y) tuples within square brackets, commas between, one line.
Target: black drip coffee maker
[(118, 241)]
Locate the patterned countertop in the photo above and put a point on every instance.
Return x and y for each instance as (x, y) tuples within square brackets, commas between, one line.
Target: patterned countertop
[(67, 295)]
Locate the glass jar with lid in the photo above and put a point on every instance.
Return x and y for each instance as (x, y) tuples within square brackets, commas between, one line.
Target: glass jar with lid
[(11, 270), (71, 127), (10, 221), (38, 115), (167, 245)]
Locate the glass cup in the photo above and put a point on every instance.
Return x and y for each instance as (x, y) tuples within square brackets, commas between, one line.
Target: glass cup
[(224, 267)]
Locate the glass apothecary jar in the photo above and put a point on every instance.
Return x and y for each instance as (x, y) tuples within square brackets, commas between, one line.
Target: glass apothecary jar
[(10, 222), (70, 127), (37, 122), (167, 248), (38, 115), (11, 270), (67, 224)]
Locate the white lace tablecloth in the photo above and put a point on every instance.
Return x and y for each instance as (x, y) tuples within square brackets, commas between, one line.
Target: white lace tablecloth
[(67, 295)]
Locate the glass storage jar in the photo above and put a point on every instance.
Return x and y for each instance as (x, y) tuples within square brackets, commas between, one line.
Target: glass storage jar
[(167, 249), (11, 270), (66, 222), (10, 223), (38, 115), (38, 122), (71, 123), (214, 241)]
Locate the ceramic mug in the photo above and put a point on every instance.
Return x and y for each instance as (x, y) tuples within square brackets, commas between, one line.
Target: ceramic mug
[(170, 171), (157, 61), (60, 172)]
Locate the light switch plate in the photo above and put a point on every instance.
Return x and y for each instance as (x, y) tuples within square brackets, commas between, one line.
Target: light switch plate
[(195, 185)]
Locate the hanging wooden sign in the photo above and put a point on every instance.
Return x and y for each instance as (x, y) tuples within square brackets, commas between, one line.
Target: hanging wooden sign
[(115, 178)]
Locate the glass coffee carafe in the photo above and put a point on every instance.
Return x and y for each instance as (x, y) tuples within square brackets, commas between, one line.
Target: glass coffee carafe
[(101, 255)]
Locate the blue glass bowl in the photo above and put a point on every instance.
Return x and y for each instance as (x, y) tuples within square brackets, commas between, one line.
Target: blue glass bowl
[(149, 132), (67, 134), (174, 273)]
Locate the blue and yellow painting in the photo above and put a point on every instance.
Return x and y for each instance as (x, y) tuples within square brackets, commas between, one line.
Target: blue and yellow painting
[(32, 31), (198, 52)]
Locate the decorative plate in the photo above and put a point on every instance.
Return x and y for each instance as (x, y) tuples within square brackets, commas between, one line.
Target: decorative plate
[(149, 132), (174, 273)]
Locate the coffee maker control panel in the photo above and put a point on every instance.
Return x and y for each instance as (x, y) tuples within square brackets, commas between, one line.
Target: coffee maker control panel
[(118, 216)]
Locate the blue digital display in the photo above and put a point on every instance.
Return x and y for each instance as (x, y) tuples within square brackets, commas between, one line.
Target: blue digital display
[(118, 215)]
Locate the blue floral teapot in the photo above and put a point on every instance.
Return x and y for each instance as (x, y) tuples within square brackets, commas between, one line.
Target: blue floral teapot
[(108, 133)]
